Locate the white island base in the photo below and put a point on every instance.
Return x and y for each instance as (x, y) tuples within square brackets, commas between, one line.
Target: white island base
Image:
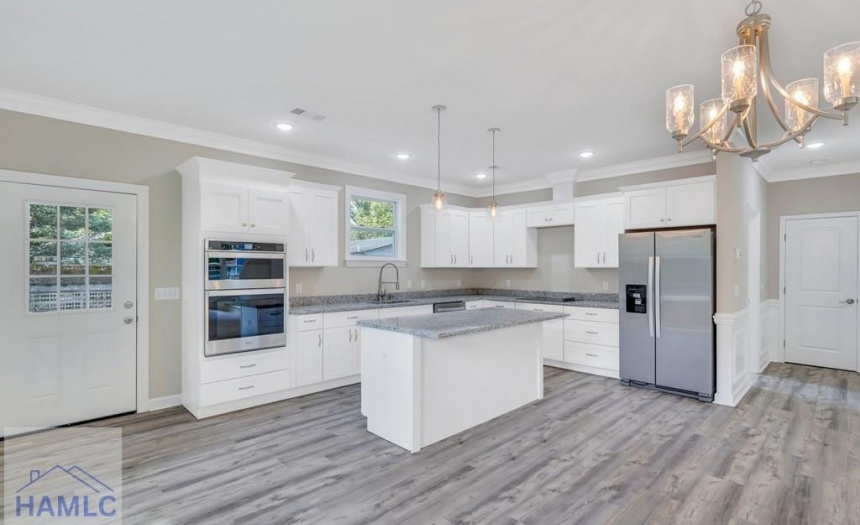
[(416, 390)]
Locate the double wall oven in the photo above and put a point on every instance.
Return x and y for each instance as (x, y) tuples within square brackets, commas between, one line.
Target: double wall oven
[(246, 296)]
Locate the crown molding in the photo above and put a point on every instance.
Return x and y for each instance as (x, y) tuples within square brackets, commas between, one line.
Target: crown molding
[(643, 166), (103, 118), (817, 171), (514, 187)]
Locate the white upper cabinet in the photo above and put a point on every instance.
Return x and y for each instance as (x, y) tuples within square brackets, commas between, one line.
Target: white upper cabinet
[(690, 202), (238, 209), (444, 238), (480, 239), (551, 214), (598, 224), (515, 244), (314, 231)]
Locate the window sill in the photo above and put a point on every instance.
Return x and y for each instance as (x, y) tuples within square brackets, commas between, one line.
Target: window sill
[(372, 263)]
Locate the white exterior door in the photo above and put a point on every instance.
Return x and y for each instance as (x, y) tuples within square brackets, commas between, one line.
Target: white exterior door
[(68, 314), (821, 267)]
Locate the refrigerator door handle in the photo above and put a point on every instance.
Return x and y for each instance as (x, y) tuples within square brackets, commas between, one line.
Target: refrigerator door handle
[(649, 301), (657, 295)]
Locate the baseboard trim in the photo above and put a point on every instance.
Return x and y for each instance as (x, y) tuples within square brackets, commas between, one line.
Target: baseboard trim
[(605, 372), (160, 403)]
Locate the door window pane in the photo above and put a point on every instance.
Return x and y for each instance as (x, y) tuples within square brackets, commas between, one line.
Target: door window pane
[(43, 221), (73, 221), (43, 294), (79, 250), (43, 258), (72, 260)]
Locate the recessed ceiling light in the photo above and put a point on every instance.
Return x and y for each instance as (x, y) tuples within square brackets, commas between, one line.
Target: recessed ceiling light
[(404, 156), (818, 161), (481, 176), (283, 126), (814, 145), (586, 154)]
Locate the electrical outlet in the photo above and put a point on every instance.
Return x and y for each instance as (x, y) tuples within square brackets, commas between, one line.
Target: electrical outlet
[(508, 283), (459, 283), (408, 285), (738, 253), (298, 288), (423, 284), (166, 294), (605, 286)]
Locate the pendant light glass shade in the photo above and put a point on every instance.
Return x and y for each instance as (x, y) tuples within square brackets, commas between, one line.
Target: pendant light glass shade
[(680, 115), (494, 209), (842, 76), (711, 114), (740, 77), (438, 202), (804, 91), (494, 206)]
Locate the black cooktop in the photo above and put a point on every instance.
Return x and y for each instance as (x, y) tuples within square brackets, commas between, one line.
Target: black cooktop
[(548, 299)]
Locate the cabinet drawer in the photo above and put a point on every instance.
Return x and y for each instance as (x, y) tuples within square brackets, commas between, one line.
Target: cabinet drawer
[(499, 304), (591, 355), (339, 319), (405, 311), (588, 332), (600, 315), (309, 322), (537, 307), (233, 389), (250, 363), (474, 305)]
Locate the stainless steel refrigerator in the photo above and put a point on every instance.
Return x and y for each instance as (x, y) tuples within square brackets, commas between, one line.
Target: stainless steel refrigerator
[(667, 300)]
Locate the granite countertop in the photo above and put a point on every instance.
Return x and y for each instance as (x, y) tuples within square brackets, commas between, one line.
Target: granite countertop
[(347, 303), (439, 326)]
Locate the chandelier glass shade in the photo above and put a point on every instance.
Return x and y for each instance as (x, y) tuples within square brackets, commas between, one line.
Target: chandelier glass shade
[(746, 75)]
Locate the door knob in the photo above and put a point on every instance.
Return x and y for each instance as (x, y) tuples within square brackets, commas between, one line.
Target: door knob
[(128, 305), (848, 301), (128, 320)]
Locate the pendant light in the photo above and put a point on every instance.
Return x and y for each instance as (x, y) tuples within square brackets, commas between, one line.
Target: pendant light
[(439, 197), (494, 206)]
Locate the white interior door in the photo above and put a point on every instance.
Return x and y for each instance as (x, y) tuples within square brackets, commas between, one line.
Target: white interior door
[(821, 266), (68, 313)]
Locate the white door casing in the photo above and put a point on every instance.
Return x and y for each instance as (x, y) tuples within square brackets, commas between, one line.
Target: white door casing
[(820, 290), (69, 354)]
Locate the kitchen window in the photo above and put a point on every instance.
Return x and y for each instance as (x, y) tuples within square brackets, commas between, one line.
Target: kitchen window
[(375, 227)]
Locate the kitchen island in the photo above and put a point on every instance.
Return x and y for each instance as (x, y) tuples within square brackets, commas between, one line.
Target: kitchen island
[(426, 378)]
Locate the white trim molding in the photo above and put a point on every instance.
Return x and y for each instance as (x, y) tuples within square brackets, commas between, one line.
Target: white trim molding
[(142, 194), (678, 160), (815, 172), (769, 331), (733, 358)]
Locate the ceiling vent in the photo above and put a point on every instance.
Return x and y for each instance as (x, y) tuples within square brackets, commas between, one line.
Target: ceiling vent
[(308, 114)]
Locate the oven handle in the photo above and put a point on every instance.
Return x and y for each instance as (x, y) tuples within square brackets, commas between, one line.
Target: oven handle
[(259, 291), (244, 255)]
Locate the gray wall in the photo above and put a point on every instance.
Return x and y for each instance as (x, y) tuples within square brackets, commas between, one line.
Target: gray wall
[(810, 196), (41, 145)]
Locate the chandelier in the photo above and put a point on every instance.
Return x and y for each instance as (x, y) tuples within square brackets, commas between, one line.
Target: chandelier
[(746, 73)]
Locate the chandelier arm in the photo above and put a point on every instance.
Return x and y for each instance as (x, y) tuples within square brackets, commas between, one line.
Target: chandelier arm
[(792, 135), (721, 147), (766, 70), (705, 128), (748, 132), (731, 128)]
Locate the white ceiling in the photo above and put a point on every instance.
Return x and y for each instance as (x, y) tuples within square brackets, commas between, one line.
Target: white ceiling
[(557, 77)]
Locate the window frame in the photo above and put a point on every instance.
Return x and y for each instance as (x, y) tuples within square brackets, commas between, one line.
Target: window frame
[(399, 200)]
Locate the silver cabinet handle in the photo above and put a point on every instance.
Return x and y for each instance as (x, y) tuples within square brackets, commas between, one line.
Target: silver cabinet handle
[(248, 366), (128, 320), (353, 317), (128, 305), (253, 225), (669, 219), (662, 220), (847, 301), (313, 255), (472, 259), (538, 309), (356, 335), (598, 257), (244, 224), (350, 335), (604, 257), (246, 387), (306, 255), (319, 343), (591, 332), (309, 321), (591, 355), (590, 313)]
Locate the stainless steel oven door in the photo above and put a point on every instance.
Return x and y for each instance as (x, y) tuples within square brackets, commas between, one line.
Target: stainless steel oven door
[(245, 320), (244, 270)]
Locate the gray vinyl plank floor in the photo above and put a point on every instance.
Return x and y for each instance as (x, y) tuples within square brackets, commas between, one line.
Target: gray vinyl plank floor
[(592, 452)]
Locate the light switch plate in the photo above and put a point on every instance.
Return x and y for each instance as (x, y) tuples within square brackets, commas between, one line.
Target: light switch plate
[(508, 283), (166, 294), (605, 286)]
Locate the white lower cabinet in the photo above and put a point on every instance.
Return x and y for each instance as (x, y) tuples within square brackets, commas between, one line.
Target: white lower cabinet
[(243, 387), (591, 338), (598, 356), (309, 357), (499, 304), (552, 343), (341, 352)]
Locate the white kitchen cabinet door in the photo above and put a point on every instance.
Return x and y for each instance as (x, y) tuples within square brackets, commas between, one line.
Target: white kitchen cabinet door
[(269, 212), (614, 228), (324, 227), (503, 239), (340, 352), (458, 234), (480, 239), (298, 251), (309, 357), (589, 234), (444, 254), (552, 343), (546, 215), (224, 208), (690, 204), (645, 208), (524, 253)]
